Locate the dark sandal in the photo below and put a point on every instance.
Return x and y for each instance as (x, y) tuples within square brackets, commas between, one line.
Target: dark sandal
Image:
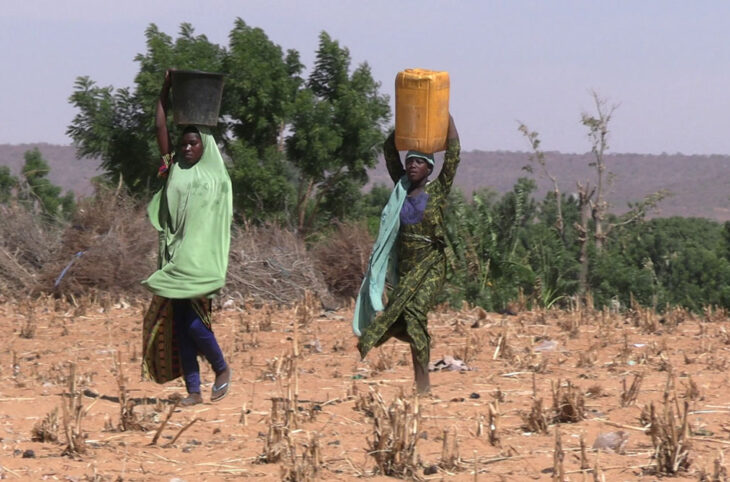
[(221, 385), (191, 399)]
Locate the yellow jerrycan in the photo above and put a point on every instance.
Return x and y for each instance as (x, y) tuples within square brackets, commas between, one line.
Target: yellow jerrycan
[(421, 110)]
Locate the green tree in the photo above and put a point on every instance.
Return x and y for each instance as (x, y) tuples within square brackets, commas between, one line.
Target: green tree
[(8, 182), (261, 86), (371, 205), (262, 186), (489, 237), (332, 123), (338, 128), (664, 261), (38, 193), (118, 125)]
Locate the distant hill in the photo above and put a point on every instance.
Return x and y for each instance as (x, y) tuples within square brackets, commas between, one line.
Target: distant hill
[(700, 184), (66, 170)]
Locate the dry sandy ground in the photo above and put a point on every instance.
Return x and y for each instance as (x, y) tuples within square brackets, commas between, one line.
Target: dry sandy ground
[(597, 353)]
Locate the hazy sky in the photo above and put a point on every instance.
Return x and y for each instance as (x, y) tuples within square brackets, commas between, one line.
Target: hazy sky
[(667, 63)]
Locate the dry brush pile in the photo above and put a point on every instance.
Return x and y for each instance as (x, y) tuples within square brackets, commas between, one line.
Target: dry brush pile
[(104, 249), (269, 264), (109, 247), (26, 246)]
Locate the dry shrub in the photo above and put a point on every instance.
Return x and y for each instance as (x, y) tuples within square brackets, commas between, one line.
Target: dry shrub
[(670, 438), (584, 465), (342, 258), (714, 314), (723, 336), (269, 264), (537, 420), (73, 414), (117, 246), (558, 458), (26, 244), (674, 316), (47, 429), (395, 433), (304, 468), (670, 434), (719, 471), (568, 403), (493, 419), (595, 391), (128, 420), (570, 323), (450, 459), (281, 422), (28, 328), (503, 348), (692, 391), (278, 368), (587, 358), (628, 395), (472, 347), (385, 361)]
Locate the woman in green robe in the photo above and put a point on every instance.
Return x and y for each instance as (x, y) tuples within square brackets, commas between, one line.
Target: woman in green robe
[(412, 239), (192, 214)]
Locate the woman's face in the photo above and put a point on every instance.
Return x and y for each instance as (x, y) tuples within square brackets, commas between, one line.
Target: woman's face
[(417, 169), (191, 147)]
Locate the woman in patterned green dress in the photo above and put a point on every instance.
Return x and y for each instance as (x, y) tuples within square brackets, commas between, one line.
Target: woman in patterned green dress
[(418, 252)]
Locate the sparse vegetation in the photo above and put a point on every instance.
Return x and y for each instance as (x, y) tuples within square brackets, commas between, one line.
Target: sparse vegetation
[(395, 433), (316, 414), (47, 429), (550, 289)]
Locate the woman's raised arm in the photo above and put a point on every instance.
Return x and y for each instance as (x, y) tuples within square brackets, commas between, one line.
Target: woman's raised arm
[(392, 159), (451, 158), (163, 136)]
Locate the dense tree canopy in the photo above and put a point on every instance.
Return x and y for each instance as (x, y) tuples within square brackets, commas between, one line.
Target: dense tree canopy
[(280, 132), (298, 148)]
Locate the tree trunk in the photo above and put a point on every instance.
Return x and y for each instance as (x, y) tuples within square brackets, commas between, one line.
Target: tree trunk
[(584, 197), (302, 204)]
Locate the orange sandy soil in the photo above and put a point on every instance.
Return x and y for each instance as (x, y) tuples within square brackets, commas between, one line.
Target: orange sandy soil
[(604, 350)]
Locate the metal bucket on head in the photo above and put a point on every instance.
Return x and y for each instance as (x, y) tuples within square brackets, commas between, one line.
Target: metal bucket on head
[(196, 97)]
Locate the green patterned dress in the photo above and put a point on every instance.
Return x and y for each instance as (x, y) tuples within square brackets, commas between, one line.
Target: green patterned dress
[(421, 264)]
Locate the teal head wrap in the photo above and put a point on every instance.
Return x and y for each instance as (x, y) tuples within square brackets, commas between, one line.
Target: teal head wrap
[(426, 157)]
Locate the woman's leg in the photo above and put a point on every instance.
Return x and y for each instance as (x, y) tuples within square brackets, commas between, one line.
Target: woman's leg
[(405, 332), (420, 342), (207, 344), (195, 337), (420, 373), (181, 310)]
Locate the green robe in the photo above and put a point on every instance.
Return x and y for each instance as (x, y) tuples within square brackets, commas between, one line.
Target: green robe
[(192, 215), (421, 264)]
